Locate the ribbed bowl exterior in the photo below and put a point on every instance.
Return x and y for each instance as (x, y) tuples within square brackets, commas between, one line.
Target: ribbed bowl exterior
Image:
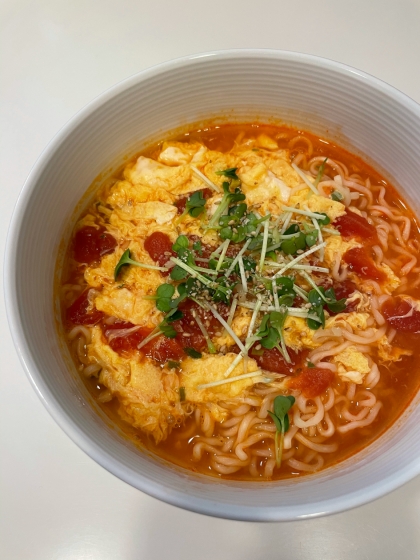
[(360, 112)]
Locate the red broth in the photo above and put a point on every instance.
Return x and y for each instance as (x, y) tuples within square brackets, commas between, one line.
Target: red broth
[(399, 381)]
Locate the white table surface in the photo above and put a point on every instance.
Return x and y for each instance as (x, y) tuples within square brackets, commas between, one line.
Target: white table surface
[(56, 55)]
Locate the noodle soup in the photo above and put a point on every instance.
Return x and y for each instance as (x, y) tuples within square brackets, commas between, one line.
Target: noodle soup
[(243, 301)]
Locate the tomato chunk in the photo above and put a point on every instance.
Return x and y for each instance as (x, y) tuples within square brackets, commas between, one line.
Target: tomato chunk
[(272, 360), (159, 247), (345, 290), (401, 315), (160, 349), (78, 313), (312, 381), (189, 333), (353, 225), (361, 263), (90, 244)]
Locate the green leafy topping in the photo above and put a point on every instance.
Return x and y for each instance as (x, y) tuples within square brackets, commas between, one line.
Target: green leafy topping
[(195, 204), (320, 173), (231, 173), (227, 199), (178, 273), (126, 260), (176, 315), (317, 309), (192, 353), (167, 330), (323, 221), (280, 416), (311, 238), (173, 365), (164, 297), (271, 332), (334, 305), (198, 248), (182, 394), (337, 196), (180, 244), (293, 245), (310, 365)]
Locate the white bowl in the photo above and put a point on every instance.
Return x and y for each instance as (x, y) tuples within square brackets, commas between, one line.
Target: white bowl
[(370, 117)]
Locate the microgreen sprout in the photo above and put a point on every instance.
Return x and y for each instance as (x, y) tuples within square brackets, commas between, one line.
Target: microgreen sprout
[(280, 417), (320, 173), (192, 353), (194, 205), (126, 260), (231, 173)]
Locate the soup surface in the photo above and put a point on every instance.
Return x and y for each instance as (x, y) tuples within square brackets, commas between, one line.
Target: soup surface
[(244, 301)]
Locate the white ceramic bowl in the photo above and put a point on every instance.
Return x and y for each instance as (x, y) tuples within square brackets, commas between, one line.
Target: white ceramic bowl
[(336, 101)]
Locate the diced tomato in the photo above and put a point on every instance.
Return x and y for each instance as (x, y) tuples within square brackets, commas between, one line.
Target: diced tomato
[(126, 343), (312, 381), (272, 360), (345, 290), (164, 349), (401, 315), (361, 263), (159, 247), (78, 313), (353, 225), (90, 244), (160, 349), (189, 333)]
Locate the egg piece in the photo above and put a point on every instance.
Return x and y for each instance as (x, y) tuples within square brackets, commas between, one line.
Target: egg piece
[(148, 398), (178, 153), (124, 193), (266, 142), (215, 162), (212, 368), (263, 189), (239, 325), (390, 353), (336, 247), (305, 199), (160, 212), (298, 335), (151, 173), (352, 365), (358, 321)]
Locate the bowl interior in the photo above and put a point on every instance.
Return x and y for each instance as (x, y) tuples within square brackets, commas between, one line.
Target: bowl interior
[(368, 117)]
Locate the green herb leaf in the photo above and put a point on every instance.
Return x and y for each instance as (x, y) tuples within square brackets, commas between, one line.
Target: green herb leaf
[(192, 353), (180, 244), (182, 394), (320, 173), (176, 315), (197, 247), (195, 204), (310, 365), (337, 196), (178, 273), (173, 365), (312, 238), (281, 405), (231, 173), (323, 221), (167, 330)]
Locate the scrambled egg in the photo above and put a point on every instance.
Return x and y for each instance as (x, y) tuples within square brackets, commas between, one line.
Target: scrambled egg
[(148, 398), (211, 368), (305, 199), (388, 353), (352, 365)]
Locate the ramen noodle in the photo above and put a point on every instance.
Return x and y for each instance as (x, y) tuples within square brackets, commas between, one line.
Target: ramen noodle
[(244, 301)]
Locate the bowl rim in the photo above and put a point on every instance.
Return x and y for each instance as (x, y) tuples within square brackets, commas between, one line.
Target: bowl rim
[(102, 457)]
